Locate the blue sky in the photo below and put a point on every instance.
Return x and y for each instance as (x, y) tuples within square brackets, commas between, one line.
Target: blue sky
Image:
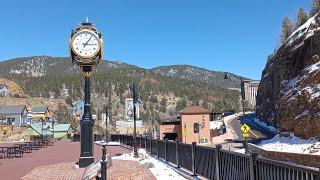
[(227, 35)]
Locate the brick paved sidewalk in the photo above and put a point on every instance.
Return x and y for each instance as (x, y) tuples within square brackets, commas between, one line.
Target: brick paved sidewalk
[(62, 151), (65, 171), (120, 170)]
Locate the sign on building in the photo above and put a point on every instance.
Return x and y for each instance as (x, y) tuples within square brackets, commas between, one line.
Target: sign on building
[(129, 109), (103, 118)]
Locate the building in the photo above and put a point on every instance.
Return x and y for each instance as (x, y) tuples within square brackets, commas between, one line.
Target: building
[(195, 123), (4, 90), (126, 127), (36, 130), (63, 131), (250, 90), (170, 128), (43, 112), (13, 115), (60, 131)]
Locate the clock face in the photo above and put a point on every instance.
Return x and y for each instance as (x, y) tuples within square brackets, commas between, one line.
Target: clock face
[(85, 44), (129, 113)]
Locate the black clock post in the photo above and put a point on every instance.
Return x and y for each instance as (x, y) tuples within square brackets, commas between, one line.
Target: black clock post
[(86, 123), (87, 56)]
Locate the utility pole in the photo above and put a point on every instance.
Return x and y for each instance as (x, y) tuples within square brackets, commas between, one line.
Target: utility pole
[(242, 97), (134, 97)]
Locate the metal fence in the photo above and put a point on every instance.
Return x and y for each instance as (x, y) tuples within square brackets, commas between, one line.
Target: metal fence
[(218, 164)]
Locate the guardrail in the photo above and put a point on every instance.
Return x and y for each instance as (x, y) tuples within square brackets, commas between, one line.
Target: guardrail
[(218, 164)]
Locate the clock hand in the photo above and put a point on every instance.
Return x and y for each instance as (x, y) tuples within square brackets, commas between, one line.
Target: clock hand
[(86, 43)]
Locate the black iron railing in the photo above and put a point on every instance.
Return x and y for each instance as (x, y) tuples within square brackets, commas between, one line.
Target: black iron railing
[(218, 164)]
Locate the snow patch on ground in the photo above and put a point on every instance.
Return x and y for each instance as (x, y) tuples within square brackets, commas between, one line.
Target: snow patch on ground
[(292, 144), (108, 144), (159, 169), (216, 124), (264, 125)]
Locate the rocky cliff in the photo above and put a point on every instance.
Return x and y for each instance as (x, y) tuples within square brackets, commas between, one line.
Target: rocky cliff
[(289, 92)]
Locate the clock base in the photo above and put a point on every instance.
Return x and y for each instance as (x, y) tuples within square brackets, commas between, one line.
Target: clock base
[(85, 161)]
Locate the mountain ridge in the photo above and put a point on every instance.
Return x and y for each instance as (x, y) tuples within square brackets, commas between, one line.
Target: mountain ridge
[(162, 93), (190, 72)]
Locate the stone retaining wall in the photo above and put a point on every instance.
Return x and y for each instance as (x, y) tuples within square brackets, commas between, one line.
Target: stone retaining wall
[(301, 159)]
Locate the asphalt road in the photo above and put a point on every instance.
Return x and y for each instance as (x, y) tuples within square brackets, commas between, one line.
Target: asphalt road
[(262, 133)]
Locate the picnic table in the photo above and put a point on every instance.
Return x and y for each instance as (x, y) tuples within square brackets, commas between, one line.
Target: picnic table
[(10, 150)]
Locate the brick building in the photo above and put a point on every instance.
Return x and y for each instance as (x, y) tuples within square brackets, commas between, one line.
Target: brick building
[(193, 125), (170, 128)]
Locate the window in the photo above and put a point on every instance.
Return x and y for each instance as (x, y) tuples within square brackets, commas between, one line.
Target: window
[(196, 128)]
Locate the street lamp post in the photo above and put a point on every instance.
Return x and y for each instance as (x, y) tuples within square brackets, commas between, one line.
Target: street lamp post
[(53, 128), (86, 49), (134, 97), (42, 121), (107, 115)]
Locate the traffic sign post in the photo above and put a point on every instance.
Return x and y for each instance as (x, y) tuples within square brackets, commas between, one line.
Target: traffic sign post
[(245, 129)]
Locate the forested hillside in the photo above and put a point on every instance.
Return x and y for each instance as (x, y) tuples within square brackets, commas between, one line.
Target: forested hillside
[(161, 94)]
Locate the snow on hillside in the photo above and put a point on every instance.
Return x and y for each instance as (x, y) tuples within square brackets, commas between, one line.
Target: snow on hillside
[(303, 30), (292, 144)]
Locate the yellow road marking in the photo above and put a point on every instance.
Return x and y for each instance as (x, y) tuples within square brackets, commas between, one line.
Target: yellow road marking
[(254, 134)]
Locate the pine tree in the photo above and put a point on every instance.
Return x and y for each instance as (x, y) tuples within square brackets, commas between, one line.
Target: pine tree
[(315, 7), (301, 18), (287, 29)]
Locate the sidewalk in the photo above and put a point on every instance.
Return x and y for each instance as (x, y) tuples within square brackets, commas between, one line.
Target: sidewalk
[(61, 152), (120, 170)]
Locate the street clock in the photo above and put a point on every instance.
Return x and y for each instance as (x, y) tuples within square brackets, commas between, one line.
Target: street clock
[(86, 45)]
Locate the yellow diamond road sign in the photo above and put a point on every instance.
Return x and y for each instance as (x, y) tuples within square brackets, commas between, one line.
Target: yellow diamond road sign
[(185, 131), (245, 128)]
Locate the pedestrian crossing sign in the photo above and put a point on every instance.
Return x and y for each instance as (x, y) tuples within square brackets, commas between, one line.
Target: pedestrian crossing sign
[(245, 128)]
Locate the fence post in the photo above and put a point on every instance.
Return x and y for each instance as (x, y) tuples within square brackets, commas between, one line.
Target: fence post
[(177, 153), (158, 148), (151, 146), (165, 149), (145, 142), (122, 139), (216, 155), (126, 140), (252, 165), (193, 154)]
